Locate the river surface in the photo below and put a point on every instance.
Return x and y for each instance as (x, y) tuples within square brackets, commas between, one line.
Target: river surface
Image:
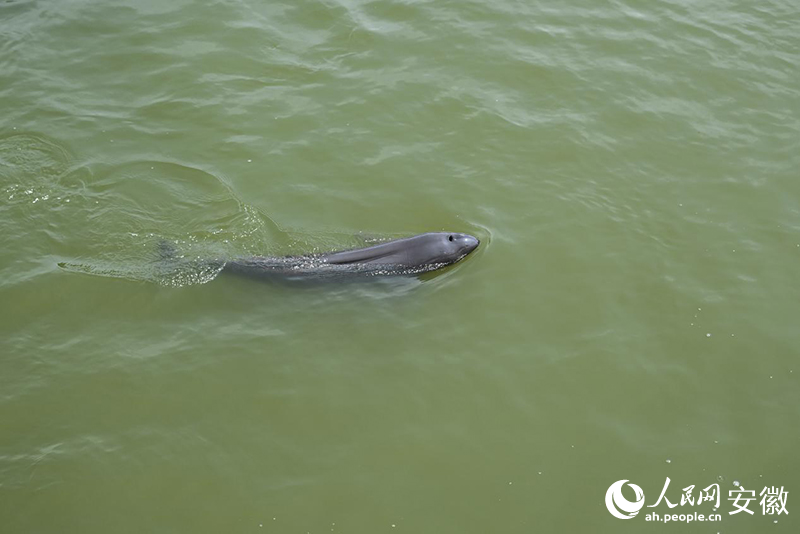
[(633, 313)]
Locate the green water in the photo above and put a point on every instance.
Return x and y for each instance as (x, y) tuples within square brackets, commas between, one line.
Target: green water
[(632, 313)]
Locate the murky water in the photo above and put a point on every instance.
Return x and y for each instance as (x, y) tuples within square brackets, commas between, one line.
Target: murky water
[(632, 312)]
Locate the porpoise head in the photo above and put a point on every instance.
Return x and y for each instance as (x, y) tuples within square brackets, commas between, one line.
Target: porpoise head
[(419, 253), (441, 247)]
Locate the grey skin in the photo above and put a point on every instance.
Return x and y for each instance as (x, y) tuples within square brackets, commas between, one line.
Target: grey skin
[(408, 256)]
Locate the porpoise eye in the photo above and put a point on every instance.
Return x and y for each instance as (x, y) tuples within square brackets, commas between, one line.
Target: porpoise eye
[(450, 238)]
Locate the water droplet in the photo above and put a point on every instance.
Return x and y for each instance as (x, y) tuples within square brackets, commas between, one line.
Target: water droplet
[(708, 335), (669, 461)]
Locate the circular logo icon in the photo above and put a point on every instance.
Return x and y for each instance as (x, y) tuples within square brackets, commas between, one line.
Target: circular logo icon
[(615, 501)]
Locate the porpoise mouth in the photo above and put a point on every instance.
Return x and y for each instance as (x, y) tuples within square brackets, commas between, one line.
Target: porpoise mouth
[(472, 243), (468, 243)]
